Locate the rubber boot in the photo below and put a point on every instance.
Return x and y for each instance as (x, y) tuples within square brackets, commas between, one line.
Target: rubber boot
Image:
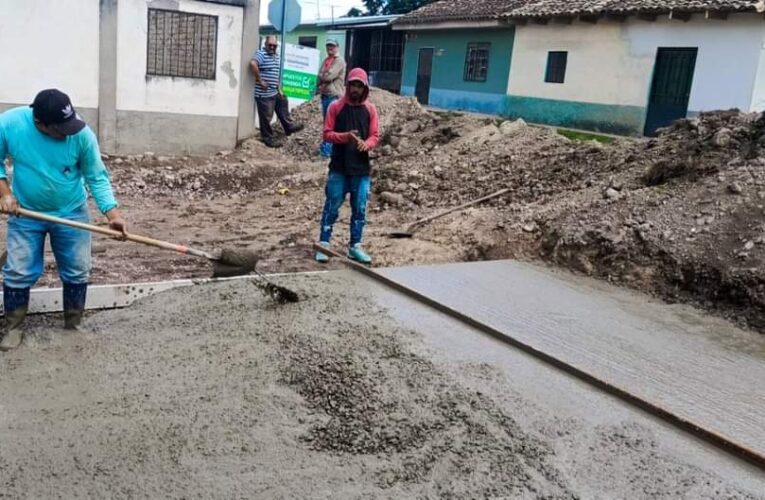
[(320, 257), (74, 304), (356, 253), (15, 304)]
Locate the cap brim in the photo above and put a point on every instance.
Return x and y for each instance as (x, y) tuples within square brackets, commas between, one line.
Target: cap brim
[(69, 127)]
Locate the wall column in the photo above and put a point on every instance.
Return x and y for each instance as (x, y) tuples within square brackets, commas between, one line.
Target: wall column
[(107, 78), (250, 43)]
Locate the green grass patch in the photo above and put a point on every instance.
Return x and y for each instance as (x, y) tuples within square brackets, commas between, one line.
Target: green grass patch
[(575, 135)]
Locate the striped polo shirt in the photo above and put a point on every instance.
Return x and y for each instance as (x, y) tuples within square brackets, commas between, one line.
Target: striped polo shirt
[(269, 72)]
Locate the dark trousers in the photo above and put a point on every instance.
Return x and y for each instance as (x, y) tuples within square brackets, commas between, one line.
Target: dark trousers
[(266, 108)]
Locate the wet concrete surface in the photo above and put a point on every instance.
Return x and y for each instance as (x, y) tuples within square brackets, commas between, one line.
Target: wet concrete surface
[(355, 392), (700, 368)]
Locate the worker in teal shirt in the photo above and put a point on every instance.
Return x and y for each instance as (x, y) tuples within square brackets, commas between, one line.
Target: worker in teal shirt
[(55, 156)]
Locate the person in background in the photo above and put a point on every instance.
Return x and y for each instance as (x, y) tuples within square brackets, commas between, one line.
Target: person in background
[(331, 85), (352, 126), (55, 157), (265, 66)]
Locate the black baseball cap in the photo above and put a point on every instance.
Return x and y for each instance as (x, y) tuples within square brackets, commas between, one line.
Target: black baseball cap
[(54, 109)]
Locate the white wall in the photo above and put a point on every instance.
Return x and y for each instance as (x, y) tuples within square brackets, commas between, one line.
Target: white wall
[(612, 63), (49, 43), (758, 96), (137, 92)]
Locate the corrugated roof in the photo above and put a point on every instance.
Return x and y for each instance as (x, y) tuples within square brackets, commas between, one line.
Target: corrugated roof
[(484, 10)]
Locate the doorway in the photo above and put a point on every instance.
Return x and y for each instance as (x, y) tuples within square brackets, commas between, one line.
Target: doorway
[(671, 87), (424, 73)]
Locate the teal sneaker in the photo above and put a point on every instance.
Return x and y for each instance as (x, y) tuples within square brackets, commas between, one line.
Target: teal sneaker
[(322, 257), (356, 253)]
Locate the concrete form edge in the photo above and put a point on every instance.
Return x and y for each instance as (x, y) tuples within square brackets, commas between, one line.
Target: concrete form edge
[(100, 297)]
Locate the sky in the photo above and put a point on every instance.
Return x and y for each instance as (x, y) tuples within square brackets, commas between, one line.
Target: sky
[(313, 9)]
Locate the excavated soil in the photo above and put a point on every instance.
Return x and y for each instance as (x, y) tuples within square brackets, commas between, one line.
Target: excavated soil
[(216, 392), (681, 216)]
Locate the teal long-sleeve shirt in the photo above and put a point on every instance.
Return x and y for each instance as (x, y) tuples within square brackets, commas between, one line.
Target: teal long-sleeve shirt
[(50, 175)]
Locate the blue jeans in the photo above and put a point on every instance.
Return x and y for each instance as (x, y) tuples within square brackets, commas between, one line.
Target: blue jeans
[(326, 147), (26, 243), (339, 185)]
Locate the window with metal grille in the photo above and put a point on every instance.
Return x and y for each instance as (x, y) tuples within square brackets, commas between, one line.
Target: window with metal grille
[(477, 62), (307, 41), (181, 44), (386, 50), (556, 67)]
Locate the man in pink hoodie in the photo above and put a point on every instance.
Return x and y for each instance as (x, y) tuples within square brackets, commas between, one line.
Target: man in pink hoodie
[(352, 127)]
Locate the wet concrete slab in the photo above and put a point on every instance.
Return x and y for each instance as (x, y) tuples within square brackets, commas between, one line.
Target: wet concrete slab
[(700, 368), (215, 391)]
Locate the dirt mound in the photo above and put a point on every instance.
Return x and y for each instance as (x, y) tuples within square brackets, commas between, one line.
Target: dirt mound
[(704, 144), (237, 173), (445, 160), (390, 107)]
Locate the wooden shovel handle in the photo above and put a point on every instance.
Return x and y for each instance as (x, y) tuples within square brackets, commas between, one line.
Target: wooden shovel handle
[(454, 209), (114, 234)]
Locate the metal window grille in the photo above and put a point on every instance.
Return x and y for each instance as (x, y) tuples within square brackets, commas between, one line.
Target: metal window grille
[(181, 44), (477, 62), (386, 50), (556, 67)]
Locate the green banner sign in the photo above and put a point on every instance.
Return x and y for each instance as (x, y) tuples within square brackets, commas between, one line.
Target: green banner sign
[(299, 85)]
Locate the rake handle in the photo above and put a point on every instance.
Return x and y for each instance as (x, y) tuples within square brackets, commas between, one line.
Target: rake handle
[(454, 209), (115, 234)]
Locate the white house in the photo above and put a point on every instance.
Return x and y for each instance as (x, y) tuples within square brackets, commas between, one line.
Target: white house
[(620, 66), (168, 76)]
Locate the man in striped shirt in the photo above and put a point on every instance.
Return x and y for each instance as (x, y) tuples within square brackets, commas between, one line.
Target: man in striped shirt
[(265, 65)]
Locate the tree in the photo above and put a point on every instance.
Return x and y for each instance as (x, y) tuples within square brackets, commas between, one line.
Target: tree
[(374, 7), (354, 12), (383, 7)]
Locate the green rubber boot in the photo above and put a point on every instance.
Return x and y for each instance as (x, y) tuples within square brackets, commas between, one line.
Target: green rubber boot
[(13, 332), (74, 304), (72, 319)]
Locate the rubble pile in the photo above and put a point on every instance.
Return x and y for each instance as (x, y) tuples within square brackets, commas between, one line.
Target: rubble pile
[(391, 109), (225, 174), (704, 145), (444, 160), (683, 216)]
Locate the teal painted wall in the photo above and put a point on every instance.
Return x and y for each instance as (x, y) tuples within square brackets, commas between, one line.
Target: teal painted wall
[(607, 118), (321, 35), (450, 48)]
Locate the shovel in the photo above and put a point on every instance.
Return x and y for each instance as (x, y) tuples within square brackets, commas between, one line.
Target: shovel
[(408, 232), (227, 263)]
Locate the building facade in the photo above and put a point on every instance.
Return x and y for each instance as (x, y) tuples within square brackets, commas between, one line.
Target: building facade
[(626, 69), (366, 42), (169, 76)]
